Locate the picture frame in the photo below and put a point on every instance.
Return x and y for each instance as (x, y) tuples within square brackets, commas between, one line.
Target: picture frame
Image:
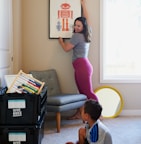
[(62, 14)]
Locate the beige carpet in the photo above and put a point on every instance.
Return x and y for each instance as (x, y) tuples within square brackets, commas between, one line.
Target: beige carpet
[(125, 130)]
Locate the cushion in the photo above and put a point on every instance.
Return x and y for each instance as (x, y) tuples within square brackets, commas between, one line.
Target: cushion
[(66, 107), (65, 99)]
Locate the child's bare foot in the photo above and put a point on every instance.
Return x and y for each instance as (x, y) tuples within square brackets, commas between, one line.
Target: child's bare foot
[(69, 143)]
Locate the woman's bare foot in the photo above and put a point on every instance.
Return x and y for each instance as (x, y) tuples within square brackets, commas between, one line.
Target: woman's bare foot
[(75, 116), (101, 118)]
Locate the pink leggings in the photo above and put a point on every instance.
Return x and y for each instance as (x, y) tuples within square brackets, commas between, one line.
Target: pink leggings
[(83, 77)]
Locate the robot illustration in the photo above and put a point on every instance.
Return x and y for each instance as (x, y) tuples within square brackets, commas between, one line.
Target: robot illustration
[(64, 14)]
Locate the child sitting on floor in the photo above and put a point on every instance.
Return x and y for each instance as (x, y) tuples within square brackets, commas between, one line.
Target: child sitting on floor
[(95, 132)]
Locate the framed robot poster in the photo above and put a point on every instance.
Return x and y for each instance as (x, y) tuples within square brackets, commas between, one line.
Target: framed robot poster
[(62, 16)]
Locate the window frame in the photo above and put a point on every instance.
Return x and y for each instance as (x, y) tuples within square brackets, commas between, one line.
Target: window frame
[(103, 79)]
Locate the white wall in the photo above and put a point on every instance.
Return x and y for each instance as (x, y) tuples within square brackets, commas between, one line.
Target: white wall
[(39, 52)]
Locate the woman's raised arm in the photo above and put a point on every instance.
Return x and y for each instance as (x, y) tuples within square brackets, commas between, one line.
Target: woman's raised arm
[(85, 12)]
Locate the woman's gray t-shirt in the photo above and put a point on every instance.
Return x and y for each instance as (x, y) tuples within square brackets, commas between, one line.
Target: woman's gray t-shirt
[(81, 48)]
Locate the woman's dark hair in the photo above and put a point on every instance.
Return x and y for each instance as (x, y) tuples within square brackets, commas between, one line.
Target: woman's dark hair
[(93, 108), (85, 31)]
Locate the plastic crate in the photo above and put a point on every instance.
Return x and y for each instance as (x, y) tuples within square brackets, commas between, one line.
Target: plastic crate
[(24, 109), (22, 134)]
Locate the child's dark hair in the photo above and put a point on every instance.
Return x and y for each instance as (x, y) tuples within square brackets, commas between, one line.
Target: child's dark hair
[(93, 108), (85, 28)]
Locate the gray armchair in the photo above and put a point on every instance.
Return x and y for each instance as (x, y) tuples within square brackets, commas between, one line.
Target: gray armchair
[(56, 100)]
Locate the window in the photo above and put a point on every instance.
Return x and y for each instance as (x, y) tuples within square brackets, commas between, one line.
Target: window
[(120, 40)]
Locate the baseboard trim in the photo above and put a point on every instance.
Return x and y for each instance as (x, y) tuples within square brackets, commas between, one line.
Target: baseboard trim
[(130, 113)]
